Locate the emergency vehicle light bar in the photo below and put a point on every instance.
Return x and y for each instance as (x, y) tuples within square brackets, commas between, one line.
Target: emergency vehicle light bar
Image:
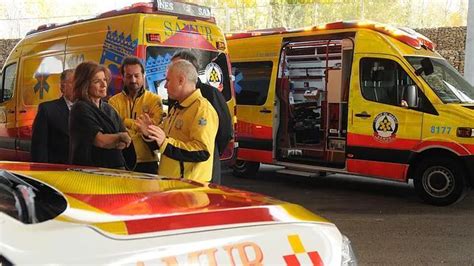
[(164, 7), (405, 35), (182, 8)]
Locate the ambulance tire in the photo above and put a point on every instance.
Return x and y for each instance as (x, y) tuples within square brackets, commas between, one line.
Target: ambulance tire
[(440, 182), (245, 168)]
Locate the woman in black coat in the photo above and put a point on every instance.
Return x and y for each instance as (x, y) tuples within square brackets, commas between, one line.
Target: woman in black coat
[(97, 134)]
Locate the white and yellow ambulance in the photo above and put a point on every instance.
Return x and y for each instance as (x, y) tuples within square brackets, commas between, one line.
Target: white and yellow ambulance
[(57, 214), (151, 31), (354, 97)]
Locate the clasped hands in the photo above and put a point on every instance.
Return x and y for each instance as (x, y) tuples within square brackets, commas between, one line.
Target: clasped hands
[(123, 141), (149, 130)]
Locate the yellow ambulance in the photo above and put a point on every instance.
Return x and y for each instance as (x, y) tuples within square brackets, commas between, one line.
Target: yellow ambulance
[(151, 31), (358, 98)]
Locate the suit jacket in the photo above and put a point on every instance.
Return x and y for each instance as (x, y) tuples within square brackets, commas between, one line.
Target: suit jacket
[(50, 140)]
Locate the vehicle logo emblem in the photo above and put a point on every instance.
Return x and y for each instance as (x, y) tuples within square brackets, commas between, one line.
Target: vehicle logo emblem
[(214, 75), (385, 127)]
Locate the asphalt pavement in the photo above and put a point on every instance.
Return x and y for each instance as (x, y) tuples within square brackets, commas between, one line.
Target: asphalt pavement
[(385, 220)]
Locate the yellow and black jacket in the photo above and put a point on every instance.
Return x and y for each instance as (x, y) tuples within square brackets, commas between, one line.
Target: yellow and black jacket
[(129, 110), (191, 130)]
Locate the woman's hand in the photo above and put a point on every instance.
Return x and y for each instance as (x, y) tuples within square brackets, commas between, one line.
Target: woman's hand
[(125, 138), (118, 141)]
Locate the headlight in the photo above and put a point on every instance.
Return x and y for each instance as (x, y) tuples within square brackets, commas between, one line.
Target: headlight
[(465, 132), (348, 257)]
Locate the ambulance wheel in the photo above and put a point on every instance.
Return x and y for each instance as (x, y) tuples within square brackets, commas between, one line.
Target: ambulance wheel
[(440, 182), (245, 168)]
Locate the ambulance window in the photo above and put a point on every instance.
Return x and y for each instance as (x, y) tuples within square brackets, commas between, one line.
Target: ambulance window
[(384, 81), (213, 69), (8, 82), (251, 82)]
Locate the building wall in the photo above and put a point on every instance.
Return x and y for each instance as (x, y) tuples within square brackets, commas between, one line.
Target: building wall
[(5, 47), (450, 44)]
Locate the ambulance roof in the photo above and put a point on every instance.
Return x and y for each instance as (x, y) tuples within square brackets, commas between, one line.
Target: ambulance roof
[(405, 35), (187, 11)]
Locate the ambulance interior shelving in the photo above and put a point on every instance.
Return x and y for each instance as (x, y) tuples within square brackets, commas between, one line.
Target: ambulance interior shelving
[(316, 100)]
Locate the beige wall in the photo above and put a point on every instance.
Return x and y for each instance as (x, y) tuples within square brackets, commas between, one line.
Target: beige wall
[(450, 44)]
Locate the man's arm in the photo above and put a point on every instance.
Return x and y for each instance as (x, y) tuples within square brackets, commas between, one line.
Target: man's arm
[(156, 112), (39, 140)]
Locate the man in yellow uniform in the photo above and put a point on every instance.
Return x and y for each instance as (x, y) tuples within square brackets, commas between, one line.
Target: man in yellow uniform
[(186, 139), (132, 102)]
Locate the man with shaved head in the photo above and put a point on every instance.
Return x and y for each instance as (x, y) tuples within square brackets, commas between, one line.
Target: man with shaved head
[(186, 139)]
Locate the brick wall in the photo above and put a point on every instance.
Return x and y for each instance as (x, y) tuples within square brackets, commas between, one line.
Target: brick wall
[(5, 47), (450, 44)]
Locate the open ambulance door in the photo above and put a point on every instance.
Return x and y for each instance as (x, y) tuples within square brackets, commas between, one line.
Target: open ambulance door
[(312, 91)]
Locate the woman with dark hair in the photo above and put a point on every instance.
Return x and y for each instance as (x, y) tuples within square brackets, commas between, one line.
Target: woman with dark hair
[(96, 132)]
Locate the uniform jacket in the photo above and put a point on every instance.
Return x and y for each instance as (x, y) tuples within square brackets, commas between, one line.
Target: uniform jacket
[(129, 110), (191, 130), (50, 140), (225, 131)]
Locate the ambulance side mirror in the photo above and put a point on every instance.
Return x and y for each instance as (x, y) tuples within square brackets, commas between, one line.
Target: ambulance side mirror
[(412, 96)]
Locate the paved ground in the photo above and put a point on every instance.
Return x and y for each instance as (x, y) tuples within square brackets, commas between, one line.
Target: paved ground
[(386, 222)]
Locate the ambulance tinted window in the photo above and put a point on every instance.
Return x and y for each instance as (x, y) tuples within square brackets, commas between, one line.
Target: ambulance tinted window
[(383, 81), (213, 69), (8, 82), (251, 82)]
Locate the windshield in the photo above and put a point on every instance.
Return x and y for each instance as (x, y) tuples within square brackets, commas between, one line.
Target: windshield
[(213, 69), (28, 200), (445, 81)]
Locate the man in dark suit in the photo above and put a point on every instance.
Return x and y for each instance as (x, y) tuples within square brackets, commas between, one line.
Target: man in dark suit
[(50, 140)]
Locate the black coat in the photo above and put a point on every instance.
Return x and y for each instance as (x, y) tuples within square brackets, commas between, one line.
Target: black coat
[(85, 121), (50, 140), (225, 131)]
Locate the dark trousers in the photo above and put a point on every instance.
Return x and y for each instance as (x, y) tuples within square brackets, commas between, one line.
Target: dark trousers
[(216, 167), (147, 167)]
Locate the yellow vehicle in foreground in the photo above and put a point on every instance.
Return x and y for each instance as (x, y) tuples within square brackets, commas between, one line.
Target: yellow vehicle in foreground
[(153, 32), (64, 214), (354, 97)]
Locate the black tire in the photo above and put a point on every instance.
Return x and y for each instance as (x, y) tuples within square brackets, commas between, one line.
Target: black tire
[(245, 168), (440, 182)]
